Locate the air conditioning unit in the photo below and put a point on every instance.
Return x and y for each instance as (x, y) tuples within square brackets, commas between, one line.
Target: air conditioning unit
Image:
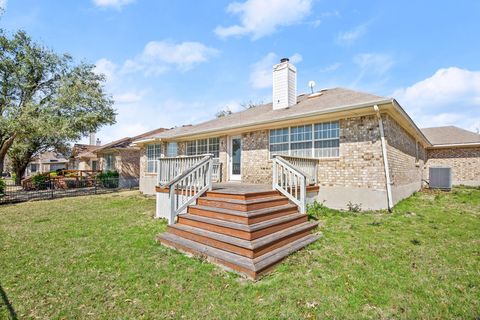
[(440, 178)]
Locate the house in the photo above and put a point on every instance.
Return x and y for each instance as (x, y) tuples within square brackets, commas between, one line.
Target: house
[(337, 146), (122, 157), (46, 162), (83, 157)]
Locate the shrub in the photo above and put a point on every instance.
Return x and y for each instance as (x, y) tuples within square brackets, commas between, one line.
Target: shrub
[(3, 187), (319, 209), (39, 181), (53, 174), (14, 176), (108, 179), (354, 207)]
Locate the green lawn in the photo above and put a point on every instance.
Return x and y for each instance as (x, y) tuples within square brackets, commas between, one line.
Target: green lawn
[(95, 258)]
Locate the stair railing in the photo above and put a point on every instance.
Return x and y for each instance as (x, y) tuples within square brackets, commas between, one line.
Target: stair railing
[(307, 165), (186, 187), (290, 181), (170, 167)]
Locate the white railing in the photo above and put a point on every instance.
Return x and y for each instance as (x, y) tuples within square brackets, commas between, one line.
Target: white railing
[(216, 171), (170, 167), (309, 166), (184, 189), (290, 181)]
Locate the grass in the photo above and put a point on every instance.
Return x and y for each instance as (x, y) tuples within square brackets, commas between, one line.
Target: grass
[(95, 258)]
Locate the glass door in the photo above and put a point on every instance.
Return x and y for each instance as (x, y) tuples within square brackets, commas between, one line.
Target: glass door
[(235, 158)]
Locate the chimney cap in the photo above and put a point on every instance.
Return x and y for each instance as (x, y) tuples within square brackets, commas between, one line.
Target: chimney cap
[(284, 60)]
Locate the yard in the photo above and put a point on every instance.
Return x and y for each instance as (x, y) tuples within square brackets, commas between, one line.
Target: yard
[(95, 257)]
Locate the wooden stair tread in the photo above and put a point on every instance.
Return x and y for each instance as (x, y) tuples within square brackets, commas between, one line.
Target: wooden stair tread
[(247, 214), (245, 202), (247, 244), (241, 226), (256, 265)]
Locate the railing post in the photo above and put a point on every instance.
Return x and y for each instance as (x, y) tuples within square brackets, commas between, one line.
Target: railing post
[(172, 195), (303, 199), (274, 172)]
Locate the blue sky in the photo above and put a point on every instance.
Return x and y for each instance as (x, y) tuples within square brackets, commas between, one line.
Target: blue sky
[(170, 63)]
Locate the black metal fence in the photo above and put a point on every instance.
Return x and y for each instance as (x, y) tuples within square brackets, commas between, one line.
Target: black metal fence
[(59, 188)]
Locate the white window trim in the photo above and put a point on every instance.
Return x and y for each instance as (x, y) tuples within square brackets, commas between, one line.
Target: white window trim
[(154, 161), (196, 146), (313, 140)]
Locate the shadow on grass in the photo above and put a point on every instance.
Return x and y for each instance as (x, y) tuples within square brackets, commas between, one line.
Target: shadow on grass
[(6, 302)]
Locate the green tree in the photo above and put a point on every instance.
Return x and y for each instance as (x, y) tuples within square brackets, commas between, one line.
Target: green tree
[(46, 96)]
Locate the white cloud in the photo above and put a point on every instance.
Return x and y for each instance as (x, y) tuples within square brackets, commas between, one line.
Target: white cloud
[(261, 73), (451, 96), (129, 96), (117, 4), (374, 62), (158, 56), (107, 68), (349, 37), (3, 4), (263, 17)]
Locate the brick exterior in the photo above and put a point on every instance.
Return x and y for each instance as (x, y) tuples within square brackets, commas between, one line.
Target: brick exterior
[(465, 163), (406, 157), (256, 166), (360, 163)]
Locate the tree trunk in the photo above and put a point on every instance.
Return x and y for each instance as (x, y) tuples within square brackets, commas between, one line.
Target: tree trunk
[(3, 151), (20, 171)]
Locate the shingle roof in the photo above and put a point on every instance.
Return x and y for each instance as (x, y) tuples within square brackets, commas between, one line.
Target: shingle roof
[(450, 135), (326, 100), (125, 142), (83, 150)]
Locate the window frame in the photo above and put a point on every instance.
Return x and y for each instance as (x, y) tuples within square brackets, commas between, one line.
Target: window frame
[(206, 145), (169, 150), (332, 137), (110, 167), (152, 163)]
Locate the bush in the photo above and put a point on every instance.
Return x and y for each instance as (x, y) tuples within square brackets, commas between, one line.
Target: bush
[(14, 176), (39, 181), (53, 174), (3, 187), (108, 179), (354, 207)]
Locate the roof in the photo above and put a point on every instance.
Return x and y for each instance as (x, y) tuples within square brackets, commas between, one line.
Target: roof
[(48, 156), (125, 142), (450, 135), (329, 100), (83, 150)]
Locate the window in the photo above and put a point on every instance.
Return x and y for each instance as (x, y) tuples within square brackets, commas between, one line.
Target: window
[(301, 141), (318, 140), (153, 154), (327, 139), (279, 141), (109, 162), (94, 165), (172, 149), (33, 167), (204, 146)]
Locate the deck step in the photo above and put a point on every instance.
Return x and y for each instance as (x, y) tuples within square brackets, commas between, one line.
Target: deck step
[(252, 268), (240, 230), (245, 217), (242, 196), (243, 205), (249, 249)]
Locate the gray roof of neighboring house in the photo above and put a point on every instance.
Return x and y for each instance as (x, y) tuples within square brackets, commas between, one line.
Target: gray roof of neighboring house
[(48, 156), (450, 135), (329, 100)]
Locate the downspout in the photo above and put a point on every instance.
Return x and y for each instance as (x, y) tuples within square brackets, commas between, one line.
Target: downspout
[(385, 159)]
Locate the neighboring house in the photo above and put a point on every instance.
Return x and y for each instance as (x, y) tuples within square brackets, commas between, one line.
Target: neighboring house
[(368, 150), (120, 156), (46, 162), (456, 148), (83, 157)]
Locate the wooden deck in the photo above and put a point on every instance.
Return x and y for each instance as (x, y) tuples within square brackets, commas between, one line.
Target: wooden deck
[(246, 228)]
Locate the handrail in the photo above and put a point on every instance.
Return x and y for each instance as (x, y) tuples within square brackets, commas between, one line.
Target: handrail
[(309, 166), (189, 185), (290, 181), (170, 167)]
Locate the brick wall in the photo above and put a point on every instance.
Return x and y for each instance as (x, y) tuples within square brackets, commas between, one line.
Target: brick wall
[(406, 157), (360, 163), (465, 163), (256, 165)]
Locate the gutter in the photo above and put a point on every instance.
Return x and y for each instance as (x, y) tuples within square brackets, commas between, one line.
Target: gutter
[(449, 145), (385, 159)]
